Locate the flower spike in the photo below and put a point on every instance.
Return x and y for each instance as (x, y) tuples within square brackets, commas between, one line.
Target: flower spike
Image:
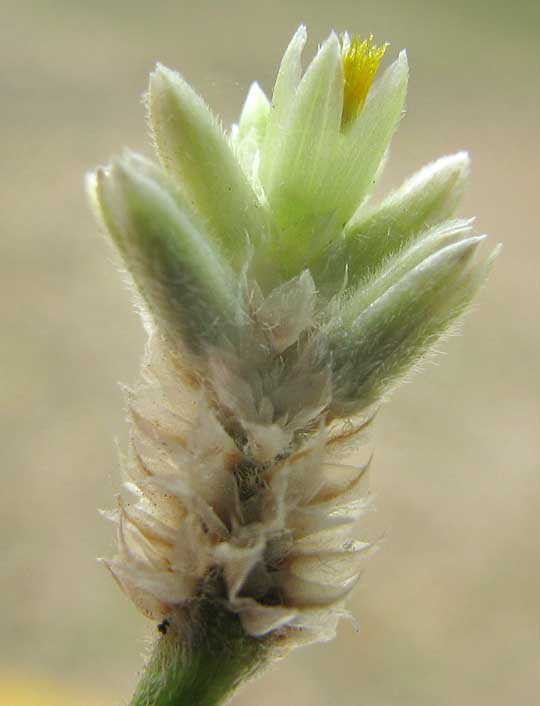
[(282, 307)]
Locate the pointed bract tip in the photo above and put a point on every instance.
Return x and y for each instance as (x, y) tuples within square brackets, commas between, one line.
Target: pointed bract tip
[(90, 186), (301, 33), (255, 96), (463, 250), (160, 69), (163, 76), (401, 65), (331, 41), (459, 163), (399, 69), (298, 40), (493, 255)]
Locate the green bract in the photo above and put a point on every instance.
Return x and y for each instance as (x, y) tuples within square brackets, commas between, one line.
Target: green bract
[(188, 286)]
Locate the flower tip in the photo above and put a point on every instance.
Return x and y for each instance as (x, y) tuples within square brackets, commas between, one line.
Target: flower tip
[(255, 96), (333, 43), (115, 171), (162, 76), (301, 33), (90, 182), (109, 515), (97, 182), (127, 158), (467, 248), (333, 37), (462, 156), (298, 40), (494, 254), (481, 266), (91, 188), (400, 67), (458, 164), (160, 69), (398, 71), (101, 174), (331, 48), (154, 76), (477, 240)]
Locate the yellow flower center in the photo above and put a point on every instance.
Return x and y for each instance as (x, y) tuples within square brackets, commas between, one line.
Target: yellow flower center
[(360, 63)]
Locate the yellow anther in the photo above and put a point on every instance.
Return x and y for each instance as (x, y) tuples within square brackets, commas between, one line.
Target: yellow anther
[(360, 63)]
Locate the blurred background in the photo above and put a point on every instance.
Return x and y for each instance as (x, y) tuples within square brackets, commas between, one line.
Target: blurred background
[(449, 611)]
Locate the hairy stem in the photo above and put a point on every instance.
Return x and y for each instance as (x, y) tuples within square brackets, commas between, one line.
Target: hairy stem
[(205, 672)]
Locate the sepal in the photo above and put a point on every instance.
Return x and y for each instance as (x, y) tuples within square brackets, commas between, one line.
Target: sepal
[(193, 148), (254, 115), (297, 186), (288, 78), (187, 286), (395, 320), (374, 232)]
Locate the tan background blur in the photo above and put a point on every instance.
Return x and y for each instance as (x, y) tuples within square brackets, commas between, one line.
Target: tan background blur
[(449, 611)]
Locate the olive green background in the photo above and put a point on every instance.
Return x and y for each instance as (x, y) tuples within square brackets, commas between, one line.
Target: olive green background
[(449, 610)]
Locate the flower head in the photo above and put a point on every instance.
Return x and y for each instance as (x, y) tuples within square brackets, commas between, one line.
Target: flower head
[(282, 305)]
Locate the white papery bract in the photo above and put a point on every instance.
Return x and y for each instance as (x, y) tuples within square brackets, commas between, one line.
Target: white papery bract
[(282, 304)]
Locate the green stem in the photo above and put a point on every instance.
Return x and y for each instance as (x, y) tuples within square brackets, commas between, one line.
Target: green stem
[(205, 672)]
